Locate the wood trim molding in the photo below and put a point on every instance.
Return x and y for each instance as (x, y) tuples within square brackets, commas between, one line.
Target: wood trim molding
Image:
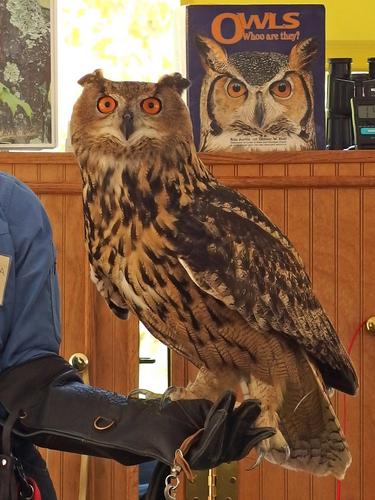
[(310, 157), (240, 182), (284, 182), (283, 157), (37, 158), (55, 188)]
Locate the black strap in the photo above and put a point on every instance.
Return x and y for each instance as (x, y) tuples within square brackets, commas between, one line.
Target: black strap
[(8, 482), (13, 482), (7, 432), (26, 490)]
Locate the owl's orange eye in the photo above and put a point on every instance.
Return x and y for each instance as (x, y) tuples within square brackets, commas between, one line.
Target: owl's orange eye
[(282, 89), (236, 88), (151, 105), (106, 104)]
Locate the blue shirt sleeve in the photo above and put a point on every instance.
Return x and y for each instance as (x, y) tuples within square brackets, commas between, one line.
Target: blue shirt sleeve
[(29, 316)]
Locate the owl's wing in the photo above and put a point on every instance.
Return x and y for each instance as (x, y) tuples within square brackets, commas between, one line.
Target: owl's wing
[(233, 252), (108, 291)]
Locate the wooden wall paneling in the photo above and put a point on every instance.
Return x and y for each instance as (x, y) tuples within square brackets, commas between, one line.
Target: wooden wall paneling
[(7, 168), (115, 353), (55, 206), (87, 324), (324, 275), (250, 482), (102, 480), (298, 229), (272, 202), (349, 316), (74, 304), (369, 169), (72, 175), (52, 173), (251, 170), (223, 171), (367, 434), (291, 157), (114, 358), (326, 207), (26, 172), (126, 363), (298, 214)]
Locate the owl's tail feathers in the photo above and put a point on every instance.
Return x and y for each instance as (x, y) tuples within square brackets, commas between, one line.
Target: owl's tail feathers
[(310, 426)]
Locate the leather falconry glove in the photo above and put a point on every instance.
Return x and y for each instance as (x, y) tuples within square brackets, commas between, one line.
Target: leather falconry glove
[(227, 435), (48, 403)]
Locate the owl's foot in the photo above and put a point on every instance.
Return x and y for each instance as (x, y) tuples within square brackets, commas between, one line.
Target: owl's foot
[(144, 394), (175, 393), (207, 385), (276, 452), (171, 393), (278, 456), (275, 449), (259, 460)]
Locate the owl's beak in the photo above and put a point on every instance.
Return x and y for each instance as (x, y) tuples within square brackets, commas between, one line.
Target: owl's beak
[(127, 126)]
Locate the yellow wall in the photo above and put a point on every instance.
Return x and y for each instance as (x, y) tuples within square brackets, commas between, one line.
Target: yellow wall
[(350, 28)]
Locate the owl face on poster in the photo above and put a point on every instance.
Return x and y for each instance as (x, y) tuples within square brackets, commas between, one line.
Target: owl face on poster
[(256, 100)]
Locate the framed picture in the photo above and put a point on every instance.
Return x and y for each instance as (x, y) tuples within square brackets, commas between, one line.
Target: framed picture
[(28, 110), (258, 76)]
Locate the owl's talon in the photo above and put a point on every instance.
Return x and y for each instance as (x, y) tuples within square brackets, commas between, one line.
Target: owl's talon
[(287, 453), (170, 390), (279, 456), (258, 461), (166, 395), (136, 393)]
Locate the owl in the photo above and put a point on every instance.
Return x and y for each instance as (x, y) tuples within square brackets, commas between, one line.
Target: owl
[(206, 271), (256, 100)]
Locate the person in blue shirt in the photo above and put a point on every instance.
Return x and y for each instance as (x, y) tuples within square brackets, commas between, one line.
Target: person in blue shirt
[(44, 402)]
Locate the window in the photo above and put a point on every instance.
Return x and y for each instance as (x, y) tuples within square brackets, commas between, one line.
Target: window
[(128, 39)]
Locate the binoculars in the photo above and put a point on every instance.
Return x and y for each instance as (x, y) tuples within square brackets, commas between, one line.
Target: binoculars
[(342, 86)]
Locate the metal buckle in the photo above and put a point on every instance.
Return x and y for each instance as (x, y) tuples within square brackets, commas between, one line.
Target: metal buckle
[(171, 483), (103, 423), (31, 496)]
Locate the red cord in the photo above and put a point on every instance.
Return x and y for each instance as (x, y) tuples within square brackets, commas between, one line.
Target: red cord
[(338, 490), (37, 495), (356, 333), (350, 348)]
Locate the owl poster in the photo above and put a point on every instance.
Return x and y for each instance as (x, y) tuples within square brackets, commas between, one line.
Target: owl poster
[(258, 76)]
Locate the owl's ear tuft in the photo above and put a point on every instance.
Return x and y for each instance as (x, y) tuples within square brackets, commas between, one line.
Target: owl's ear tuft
[(303, 53), (96, 76), (175, 81), (212, 55)]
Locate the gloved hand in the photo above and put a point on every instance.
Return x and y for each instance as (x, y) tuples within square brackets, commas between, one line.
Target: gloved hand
[(228, 434)]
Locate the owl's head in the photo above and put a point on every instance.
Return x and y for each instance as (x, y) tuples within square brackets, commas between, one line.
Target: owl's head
[(122, 115), (248, 95)]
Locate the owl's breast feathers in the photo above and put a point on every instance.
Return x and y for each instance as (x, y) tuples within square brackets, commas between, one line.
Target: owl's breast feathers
[(168, 234)]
